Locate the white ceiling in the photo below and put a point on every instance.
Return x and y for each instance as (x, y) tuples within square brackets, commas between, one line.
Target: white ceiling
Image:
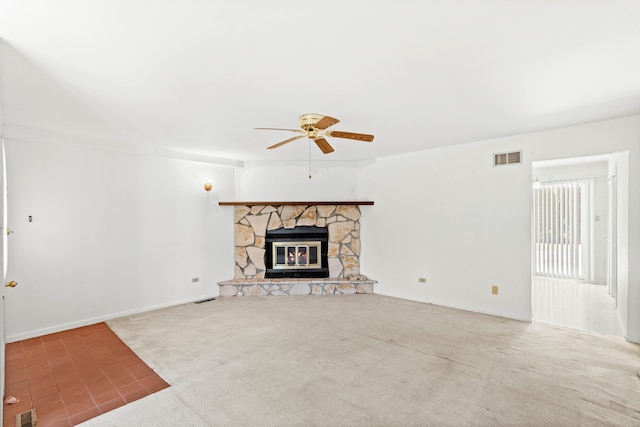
[(198, 76)]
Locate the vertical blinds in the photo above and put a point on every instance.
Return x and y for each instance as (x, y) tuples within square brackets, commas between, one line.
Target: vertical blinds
[(557, 230)]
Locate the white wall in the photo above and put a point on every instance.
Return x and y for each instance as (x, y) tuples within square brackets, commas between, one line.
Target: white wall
[(112, 233), (469, 222), (448, 215), (289, 181)]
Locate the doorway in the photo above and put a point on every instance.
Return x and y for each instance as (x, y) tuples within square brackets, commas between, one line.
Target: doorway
[(571, 253)]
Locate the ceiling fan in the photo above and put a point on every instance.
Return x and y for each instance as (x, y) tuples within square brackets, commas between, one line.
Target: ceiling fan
[(313, 126)]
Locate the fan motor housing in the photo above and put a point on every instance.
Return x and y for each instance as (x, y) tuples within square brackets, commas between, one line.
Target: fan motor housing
[(308, 121)]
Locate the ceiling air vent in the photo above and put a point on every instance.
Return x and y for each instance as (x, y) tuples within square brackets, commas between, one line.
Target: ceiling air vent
[(501, 159)]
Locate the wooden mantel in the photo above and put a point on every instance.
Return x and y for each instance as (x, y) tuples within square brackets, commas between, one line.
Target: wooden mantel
[(359, 203)]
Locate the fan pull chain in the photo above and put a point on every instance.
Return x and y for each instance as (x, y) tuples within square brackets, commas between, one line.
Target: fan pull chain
[(309, 158)]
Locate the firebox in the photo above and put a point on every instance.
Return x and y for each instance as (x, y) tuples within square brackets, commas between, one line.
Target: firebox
[(298, 252)]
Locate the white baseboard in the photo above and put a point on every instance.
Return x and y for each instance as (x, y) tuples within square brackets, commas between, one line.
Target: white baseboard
[(463, 308), (93, 320)]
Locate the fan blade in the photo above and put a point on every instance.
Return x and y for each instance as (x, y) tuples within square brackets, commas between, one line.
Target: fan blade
[(325, 122), (324, 145), (286, 141), (350, 135), (292, 130)]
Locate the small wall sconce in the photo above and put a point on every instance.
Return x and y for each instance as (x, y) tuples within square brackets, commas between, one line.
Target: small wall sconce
[(208, 186)]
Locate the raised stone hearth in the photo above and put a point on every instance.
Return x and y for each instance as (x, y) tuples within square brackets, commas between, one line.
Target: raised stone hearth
[(259, 287)]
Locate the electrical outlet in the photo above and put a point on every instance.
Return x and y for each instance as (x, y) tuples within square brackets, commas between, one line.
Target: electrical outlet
[(195, 280), (494, 290), (422, 280)]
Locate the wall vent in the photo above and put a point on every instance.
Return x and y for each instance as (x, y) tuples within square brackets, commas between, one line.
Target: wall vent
[(502, 159)]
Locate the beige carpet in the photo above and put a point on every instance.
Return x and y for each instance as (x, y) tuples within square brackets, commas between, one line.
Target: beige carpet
[(369, 360)]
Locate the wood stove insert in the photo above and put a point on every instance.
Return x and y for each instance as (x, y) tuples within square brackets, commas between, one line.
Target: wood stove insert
[(300, 252)]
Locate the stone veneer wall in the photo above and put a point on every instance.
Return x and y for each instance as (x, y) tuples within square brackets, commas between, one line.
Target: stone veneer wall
[(252, 223)]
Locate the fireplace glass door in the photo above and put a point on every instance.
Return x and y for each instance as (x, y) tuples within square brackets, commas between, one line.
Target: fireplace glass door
[(296, 252), (296, 255)]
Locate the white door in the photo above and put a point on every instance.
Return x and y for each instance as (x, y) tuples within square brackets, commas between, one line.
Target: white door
[(3, 260)]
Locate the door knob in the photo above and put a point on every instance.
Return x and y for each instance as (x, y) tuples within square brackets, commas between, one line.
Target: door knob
[(11, 284), (9, 231)]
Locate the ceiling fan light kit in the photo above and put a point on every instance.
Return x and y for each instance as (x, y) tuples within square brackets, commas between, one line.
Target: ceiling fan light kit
[(313, 126)]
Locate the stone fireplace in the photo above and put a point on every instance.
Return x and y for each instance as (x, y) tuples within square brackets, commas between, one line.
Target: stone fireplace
[(276, 242)]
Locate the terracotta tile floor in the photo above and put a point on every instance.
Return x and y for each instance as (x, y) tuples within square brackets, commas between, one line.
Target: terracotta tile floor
[(72, 376)]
